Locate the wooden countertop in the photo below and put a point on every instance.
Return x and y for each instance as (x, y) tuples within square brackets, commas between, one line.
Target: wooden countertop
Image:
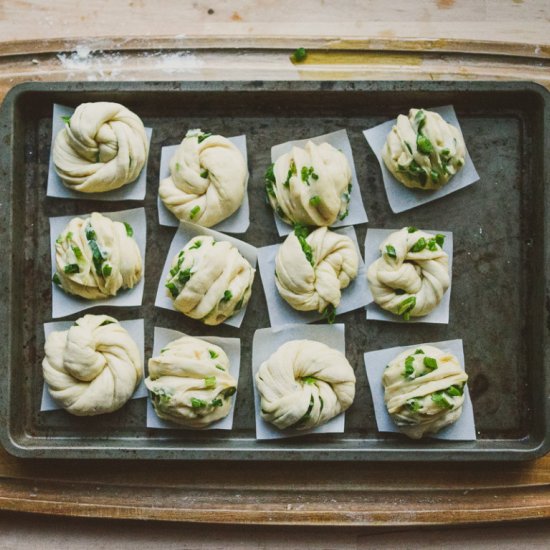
[(240, 40)]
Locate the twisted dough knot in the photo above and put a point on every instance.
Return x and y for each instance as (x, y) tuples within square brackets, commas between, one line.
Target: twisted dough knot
[(208, 178), (424, 151), (412, 274), (101, 148), (92, 368), (96, 256), (304, 384), (190, 382), (209, 280), (311, 271), (310, 186), (424, 390)]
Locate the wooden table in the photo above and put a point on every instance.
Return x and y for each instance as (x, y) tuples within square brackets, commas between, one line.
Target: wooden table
[(241, 40)]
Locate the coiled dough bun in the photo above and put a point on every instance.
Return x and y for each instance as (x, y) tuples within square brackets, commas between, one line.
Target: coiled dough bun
[(208, 178), (310, 185), (412, 274), (424, 390), (92, 368), (95, 257), (209, 280), (423, 151), (102, 147), (304, 384), (311, 270), (190, 382)]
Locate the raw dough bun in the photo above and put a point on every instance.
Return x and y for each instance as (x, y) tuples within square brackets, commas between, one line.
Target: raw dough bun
[(92, 368), (311, 271), (103, 147), (423, 390), (208, 179), (190, 382), (406, 282), (96, 256), (423, 151), (310, 185), (209, 280), (304, 384)]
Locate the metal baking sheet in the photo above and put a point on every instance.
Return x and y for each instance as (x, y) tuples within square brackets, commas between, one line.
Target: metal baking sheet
[(500, 305)]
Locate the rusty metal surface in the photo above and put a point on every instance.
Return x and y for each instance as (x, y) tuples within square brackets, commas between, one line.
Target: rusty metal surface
[(498, 292)]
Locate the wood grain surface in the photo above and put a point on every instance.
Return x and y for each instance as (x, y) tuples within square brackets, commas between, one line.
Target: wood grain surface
[(241, 40)]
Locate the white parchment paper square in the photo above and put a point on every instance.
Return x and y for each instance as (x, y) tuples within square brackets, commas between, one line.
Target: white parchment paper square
[(266, 342), (375, 363), (339, 140), (183, 235), (135, 329), (64, 304), (440, 314), (238, 222), (281, 313), (402, 198), (232, 348), (132, 191)]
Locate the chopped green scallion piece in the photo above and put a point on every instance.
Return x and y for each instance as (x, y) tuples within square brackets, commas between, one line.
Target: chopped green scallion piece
[(194, 211), (419, 245), (227, 295), (55, 279), (129, 229), (440, 400), (71, 268), (414, 404), (202, 137), (455, 391), (344, 214), (197, 403), (209, 381), (406, 306), (419, 351), (440, 239), (106, 322), (66, 119), (301, 233), (178, 166), (107, 270), (430, 363), (299, 55), (229, 391), (409, 367), (204, 173), (184, 276), (217, 403), (424, 145), (173, 289), (212, 353), (315, 200), (329, 313), (412, 229), (77, 252), (196, 244), (390, 251), (219, 367)]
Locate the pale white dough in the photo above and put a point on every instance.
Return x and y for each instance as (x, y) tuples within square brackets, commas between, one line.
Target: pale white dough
[(310, 185), (424, 390), (423, 151), (92, 368), (312, 271), (102, 147), (209, 280), (190, 382), (406, 282), (304, 384), (95, 257), (208, 178)]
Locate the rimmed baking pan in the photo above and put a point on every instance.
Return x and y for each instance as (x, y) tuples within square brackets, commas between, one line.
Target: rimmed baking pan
[(500, 304)]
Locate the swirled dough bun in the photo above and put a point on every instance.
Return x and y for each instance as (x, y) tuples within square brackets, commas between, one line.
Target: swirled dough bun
[(423, 151), (209, 280), (304, 384), (92, 368), (311, 270), (102, 147), (190, 382), (412, 273), (208, 178), (95, 257), (310, 185), (424, 390)]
